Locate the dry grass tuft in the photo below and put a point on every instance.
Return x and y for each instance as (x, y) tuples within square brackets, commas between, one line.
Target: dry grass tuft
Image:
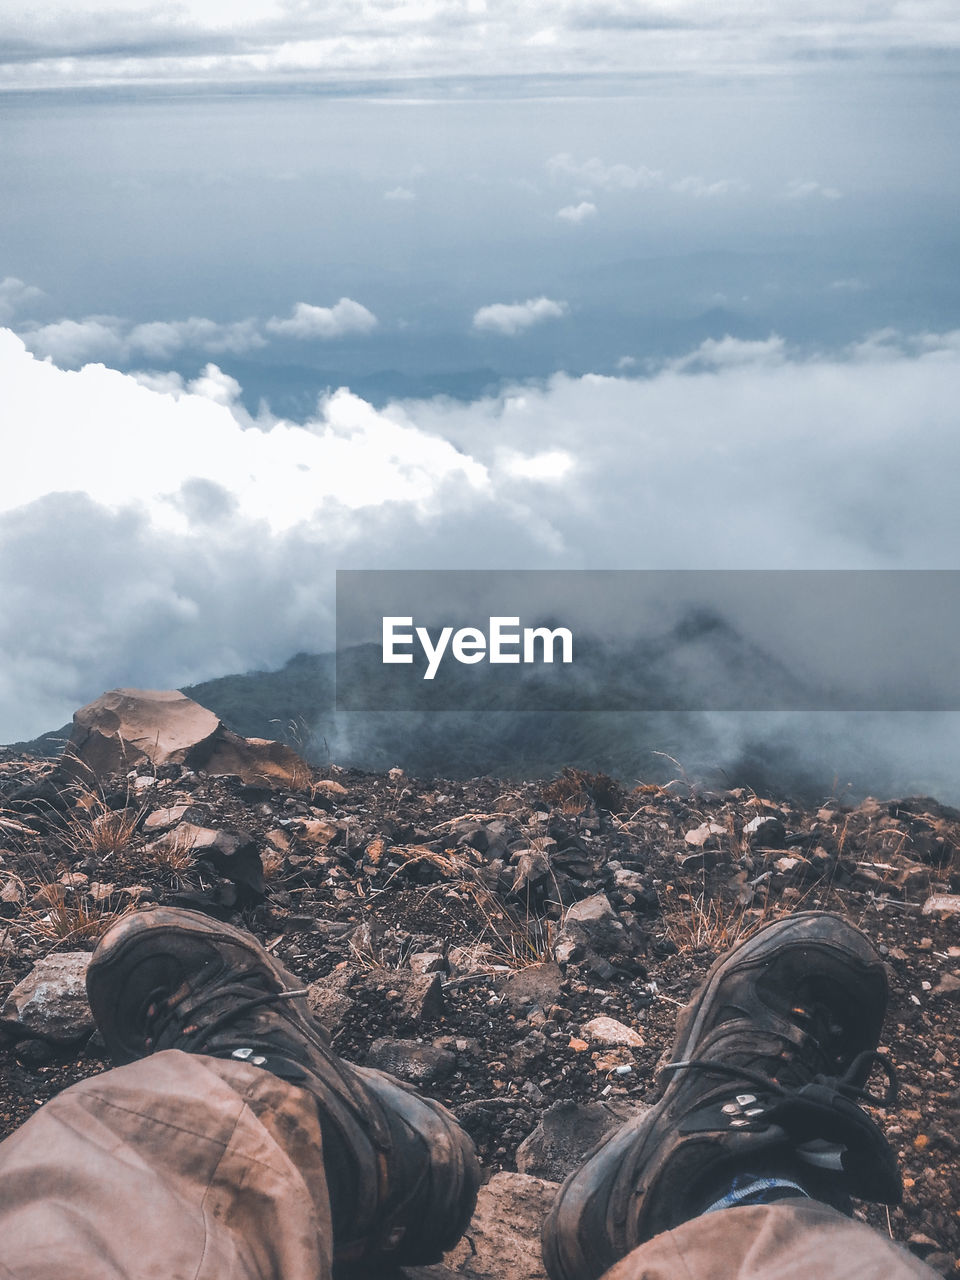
[(575, 788), (693, 921), (110, 833), (98, 830), (514, 938), (173, 858), (60, 915)]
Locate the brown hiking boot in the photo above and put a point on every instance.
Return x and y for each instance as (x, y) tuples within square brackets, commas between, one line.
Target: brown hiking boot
[(403, 1175), (770, 1058)]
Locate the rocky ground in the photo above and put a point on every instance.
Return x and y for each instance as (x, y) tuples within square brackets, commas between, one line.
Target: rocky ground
[(507, 948)]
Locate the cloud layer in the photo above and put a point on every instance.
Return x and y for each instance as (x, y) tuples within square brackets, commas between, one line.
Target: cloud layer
[(112, 339), (152, 534), (123, 41)]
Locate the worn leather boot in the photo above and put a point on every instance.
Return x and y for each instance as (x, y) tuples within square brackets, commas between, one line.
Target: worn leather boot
[(770, 1059), (402, 1174)]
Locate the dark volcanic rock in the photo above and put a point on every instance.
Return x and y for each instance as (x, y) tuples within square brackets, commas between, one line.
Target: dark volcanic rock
[(566, 1133), (416, 1063), (535, 987)]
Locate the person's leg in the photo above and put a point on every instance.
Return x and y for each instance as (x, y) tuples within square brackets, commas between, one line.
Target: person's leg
[(747, 1164), (178, 1166), (251, 1149), (790, 1240)]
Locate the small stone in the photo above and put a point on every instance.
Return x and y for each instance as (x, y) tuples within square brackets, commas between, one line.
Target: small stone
[(317, 831), (610, 1059), (428, 962), (537, 985), (50, 1003), (942, 904), (766, 831), (327, 787), (418, 997), (707, 831), (163, 819), (417, 1064), (331, 1000), (590, 924), (567, 951), (74, 880), (628, 881), (921, 1241), (374, 851), (610, 1031), (11, 891), (187, 837)]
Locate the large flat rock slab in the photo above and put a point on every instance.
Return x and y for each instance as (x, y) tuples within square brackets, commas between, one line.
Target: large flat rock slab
[(126, 728)]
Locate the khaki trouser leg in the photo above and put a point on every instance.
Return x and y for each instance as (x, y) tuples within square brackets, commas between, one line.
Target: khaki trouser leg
[(178, 1167), (790, 1240)]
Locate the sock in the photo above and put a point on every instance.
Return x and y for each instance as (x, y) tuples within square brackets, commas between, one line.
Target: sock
[(748, 1188)]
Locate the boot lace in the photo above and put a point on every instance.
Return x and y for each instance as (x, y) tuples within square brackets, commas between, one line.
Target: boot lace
[(851, 1084), (179, 1020)]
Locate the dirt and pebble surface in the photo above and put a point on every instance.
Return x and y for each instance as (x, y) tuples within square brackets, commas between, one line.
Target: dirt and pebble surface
[(526, 944)]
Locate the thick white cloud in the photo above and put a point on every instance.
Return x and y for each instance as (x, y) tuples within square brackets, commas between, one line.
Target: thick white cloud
[(511, 318), (308, 321), (577, 212), (278, 472), (151, 534)]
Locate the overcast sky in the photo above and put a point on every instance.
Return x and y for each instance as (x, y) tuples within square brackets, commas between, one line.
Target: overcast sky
[(294, 287)]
